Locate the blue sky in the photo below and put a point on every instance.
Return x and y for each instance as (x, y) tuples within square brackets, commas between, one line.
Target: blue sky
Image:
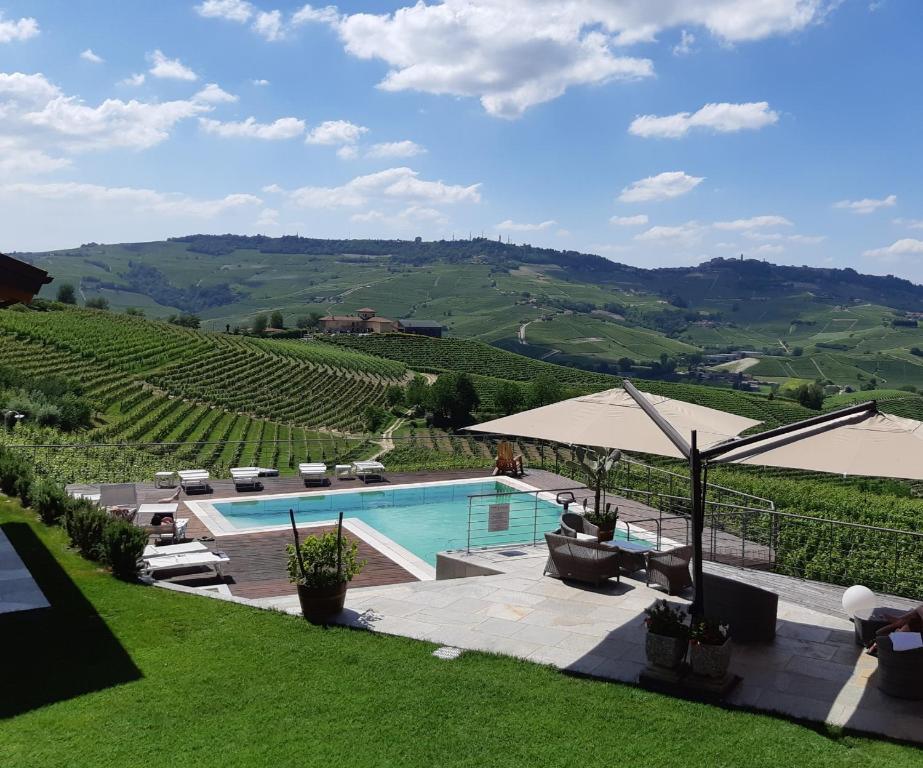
[(653, 133)]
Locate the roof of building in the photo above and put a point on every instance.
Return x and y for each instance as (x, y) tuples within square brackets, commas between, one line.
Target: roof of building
[(22, 270), (365, 309), (420, 324), (356, 319), (379, 320)]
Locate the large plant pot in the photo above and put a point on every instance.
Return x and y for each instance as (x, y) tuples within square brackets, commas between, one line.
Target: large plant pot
[(605, 534), (664, 651), (710, 660), (320, 604)]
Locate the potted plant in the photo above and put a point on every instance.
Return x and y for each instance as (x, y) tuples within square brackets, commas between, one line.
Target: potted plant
[(605, 521), (321, 567), (667, 635), (595, 464), (709, 648)]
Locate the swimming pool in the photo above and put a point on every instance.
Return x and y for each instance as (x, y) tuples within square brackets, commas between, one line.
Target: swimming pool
[(423, 519)]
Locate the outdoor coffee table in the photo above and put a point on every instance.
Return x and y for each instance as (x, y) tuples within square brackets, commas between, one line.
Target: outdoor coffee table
[(633, 553)]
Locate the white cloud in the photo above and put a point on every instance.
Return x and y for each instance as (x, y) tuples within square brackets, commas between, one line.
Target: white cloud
[(268, 25), (308, 14), (348, 152), (367, 217), (273, 189), (768, 248), (663, 186), (17, 159), (515, 54), (684, 46), (720, 118), (868, 205), (904, 247), (685, 234), (93, 58), (754, 222), (232, 10), (260, 82), (333, 132), (404, 148), (629, 221), (214, 94), (283, 128), (133, 80), (19, 30), (268, 218), (394, 184), (910, 223), (171, 69), (137, 199), (41, 117), (513, 226)]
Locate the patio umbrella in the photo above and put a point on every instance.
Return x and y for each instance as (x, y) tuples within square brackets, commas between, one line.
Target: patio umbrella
[(616, 419), (866, 443)]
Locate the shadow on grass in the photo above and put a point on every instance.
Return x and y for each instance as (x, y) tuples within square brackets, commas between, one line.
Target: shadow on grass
[(57, 653)]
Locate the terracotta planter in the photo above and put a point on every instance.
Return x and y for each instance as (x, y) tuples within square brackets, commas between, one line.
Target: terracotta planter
[(710, 660), (605, 534), (664, 651), (320, 604)]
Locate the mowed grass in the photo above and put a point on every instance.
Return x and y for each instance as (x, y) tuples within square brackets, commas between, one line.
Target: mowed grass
[(187, 681)]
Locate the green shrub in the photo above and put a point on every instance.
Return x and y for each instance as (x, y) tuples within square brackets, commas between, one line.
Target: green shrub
[(122, 546), (15, 476), (319, 556), (85, 522), (49, 500)]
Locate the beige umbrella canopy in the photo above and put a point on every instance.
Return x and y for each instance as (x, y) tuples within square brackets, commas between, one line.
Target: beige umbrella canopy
[(614, 419), (869, 443)]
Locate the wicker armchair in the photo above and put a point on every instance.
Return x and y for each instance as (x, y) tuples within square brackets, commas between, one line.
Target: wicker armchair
[(580, 559), (749, 611), (572, 524), (670, 569), (900, 674)]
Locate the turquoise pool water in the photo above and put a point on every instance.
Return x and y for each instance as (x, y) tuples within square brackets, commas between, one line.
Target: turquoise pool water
[(423, 519)]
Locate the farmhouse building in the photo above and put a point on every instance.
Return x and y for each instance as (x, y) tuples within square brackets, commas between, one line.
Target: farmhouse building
[(364, 321), (19, 282)]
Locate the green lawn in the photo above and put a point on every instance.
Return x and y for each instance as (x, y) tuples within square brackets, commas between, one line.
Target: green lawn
[(120, 675)]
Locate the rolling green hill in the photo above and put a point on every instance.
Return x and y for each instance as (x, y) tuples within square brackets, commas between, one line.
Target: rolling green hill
[(578, 309)]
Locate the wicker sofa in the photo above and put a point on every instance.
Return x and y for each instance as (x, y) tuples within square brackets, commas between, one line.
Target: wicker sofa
[(900, 673), (749, 611), (580, 559)]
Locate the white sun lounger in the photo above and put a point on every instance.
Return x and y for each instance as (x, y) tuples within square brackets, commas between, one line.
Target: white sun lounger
[(118, 495), (151, 551), (246, 477), (313, 473), (194, 478), (369, 469), (186, 560)]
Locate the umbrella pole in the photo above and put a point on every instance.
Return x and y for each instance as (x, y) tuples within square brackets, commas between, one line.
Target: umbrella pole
[(698, 520)]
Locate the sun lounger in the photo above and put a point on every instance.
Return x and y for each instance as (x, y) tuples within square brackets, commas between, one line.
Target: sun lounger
[(122, 496), (188, 560), (365, 470), (173, 527), (313, 473), (194, 479), (173, 549), (246, 477)]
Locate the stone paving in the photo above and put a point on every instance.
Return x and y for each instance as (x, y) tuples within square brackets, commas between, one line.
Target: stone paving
[(813, 670), (18, 590)]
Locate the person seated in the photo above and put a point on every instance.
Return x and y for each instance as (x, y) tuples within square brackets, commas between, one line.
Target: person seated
[(912, 621)]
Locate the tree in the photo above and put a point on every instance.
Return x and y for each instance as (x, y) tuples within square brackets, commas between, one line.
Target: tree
[(134, 312), (509, 397), (66, 294), (810, 396), (544, 390), (374, 417), (309, 321), (258, 326), (452, 398), (417, 394), (797, 351), (276, 320), (98, 302), (626, 364), (394, 395), (186, 320)]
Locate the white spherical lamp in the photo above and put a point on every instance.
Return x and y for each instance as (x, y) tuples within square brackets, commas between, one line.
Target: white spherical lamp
[(858, 598)]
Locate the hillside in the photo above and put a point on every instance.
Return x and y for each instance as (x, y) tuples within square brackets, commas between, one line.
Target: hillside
[(577, 309)]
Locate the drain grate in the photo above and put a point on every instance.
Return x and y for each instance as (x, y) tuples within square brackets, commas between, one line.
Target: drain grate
[(447, 652)]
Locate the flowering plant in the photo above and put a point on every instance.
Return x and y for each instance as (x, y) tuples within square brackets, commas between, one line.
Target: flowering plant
[(665, 619), (709, 632)]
